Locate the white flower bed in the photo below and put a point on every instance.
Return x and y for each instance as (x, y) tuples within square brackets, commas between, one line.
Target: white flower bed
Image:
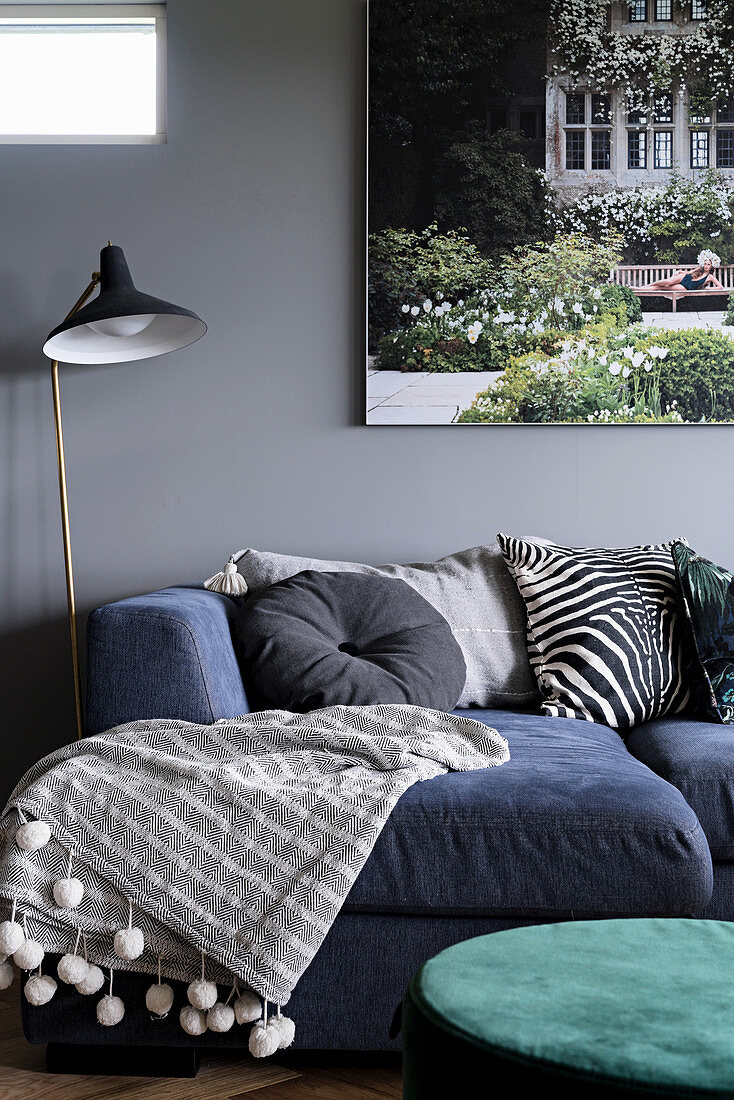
[(631, 211)]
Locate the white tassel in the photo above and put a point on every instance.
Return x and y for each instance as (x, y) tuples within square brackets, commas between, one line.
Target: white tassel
[(110, 1010), (129, 942), (159, 998), (68, 892), (201, 993), (229, 582), (33, 835), (285, 1027), (93, 980), (39, 989), (72, 968), (11, 934), (264, 1038), (6, 974), (29, 955)]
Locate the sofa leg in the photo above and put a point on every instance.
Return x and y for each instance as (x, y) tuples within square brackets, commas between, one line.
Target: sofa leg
[(122, 1061)]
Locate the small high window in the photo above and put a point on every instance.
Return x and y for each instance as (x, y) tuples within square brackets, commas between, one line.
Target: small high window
[(663, 109), (663, 10), (82, 73), (575, 108), (698, 9), (601, 109), (638, 11), (725, 109)]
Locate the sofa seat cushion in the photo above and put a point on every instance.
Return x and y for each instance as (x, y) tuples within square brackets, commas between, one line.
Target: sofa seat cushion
[(572, 824), (697, 757)]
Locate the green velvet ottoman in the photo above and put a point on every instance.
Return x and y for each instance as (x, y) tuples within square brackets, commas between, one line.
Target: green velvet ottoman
[(599, 1008)]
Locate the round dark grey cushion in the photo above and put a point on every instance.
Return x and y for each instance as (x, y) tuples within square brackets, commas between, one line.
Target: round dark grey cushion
[(353, 639)]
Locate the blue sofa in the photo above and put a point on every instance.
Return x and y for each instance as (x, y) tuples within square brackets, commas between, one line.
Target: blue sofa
[(578, 825)]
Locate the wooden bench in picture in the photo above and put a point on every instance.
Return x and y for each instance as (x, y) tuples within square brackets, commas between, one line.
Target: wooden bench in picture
[(639, 276)]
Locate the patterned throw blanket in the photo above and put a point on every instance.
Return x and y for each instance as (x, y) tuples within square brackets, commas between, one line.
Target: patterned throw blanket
[(240, 840)]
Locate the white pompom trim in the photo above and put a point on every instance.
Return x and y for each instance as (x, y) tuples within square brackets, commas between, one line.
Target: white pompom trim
[(129, 942), (110, 1010), (33, 835)]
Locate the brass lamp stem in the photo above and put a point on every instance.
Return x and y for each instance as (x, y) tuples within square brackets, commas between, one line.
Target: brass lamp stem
[(64, 502)]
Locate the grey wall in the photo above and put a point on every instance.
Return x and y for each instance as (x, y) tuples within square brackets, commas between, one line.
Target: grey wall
[(252, 215)]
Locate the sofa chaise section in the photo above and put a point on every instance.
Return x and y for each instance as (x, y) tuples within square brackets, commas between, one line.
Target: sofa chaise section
[(572, 825)]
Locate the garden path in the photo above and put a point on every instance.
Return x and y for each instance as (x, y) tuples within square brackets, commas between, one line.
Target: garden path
[(689, 319), (394, 397)]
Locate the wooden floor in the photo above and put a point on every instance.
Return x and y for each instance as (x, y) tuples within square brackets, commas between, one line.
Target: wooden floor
[(226, 1076)]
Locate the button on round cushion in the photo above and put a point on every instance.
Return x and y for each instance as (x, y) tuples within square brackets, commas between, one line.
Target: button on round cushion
[(329, 639), (587, 1009)]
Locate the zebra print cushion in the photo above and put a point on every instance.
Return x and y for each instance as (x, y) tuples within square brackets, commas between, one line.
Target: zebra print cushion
[(604, 632)]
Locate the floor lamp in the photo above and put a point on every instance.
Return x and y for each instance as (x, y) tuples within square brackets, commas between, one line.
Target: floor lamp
[(119, 326)]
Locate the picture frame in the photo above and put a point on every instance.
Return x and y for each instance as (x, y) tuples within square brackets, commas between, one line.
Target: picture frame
[(550, 213)]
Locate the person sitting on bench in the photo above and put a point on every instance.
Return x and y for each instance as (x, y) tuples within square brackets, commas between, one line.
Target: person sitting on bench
[(702, 276)]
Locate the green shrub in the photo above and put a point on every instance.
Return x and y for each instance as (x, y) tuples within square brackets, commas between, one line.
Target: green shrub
[(598, 377), (668, 222), (698, 373), (552, 273), (406, 266), (616, 297), (431, 345), (485, 185)]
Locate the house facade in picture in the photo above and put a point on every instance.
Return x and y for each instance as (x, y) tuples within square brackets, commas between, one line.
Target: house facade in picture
[(604, 132)]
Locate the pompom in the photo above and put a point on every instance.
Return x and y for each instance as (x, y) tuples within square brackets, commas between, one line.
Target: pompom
[(129, 943), (68, 892), (159, 999), (92, 981), (39, 989), (192, 1020), (220, 1017), (29, 955), (286, 1030), (6, 975), (72, 969), (33, 835), (264, 1039), (11, 937), (247, 1008), (201, 993), (229, 582), (110, 1010)]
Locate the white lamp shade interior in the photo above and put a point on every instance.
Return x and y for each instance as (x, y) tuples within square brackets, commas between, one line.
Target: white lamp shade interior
[(124, 339)]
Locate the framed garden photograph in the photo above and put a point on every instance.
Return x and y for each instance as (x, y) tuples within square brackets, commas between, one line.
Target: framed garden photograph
[(551, 212)]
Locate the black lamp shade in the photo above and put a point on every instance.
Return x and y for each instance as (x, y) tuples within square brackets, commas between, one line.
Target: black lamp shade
[(122, 324)]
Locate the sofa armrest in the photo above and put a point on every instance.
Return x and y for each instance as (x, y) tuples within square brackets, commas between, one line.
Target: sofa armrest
[(164, 655)]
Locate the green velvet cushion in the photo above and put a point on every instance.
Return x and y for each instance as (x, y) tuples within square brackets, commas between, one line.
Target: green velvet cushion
[(708, 600), (632, 1007)]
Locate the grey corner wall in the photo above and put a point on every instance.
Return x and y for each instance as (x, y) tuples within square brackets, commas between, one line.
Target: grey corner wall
[(252, 215)]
